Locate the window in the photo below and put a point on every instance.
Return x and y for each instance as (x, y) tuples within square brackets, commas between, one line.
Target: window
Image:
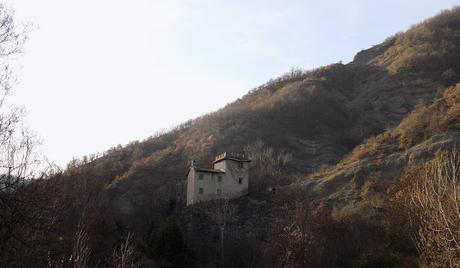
[(219, 191), (219, 179), (240, 180), (200, 177), (200, 190), (241, 164)]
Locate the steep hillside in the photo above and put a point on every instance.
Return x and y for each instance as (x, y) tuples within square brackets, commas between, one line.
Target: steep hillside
[(351, 129), (363, 179), (318, 116)]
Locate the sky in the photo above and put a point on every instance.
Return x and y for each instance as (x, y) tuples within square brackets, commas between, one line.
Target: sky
[(98, 73)]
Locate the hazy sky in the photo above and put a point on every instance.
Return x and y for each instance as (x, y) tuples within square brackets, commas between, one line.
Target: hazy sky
[(97, 73)]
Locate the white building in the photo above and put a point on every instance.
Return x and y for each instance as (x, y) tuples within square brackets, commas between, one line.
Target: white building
[(228, 179)]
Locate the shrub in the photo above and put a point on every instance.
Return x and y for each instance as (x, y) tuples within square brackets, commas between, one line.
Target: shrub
[(167, 246), (433, 203)]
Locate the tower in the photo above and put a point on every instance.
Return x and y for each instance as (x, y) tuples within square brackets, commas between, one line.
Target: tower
[(229, 178)]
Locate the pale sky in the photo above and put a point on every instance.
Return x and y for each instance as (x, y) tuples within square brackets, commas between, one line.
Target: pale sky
[(97, 73)]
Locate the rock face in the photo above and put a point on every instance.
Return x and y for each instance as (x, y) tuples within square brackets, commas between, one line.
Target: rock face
[(243, 228)]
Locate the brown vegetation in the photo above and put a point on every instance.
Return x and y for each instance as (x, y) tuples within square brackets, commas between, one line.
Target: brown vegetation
[(289, 126), (268, 168), (309, 236), (431, 46), (433, 203)]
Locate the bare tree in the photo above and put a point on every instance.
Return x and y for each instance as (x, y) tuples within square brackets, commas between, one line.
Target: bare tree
[(221, 212), (267, 166), (17, 143), (22, 217), (434, 204), (125, 256), (296, 238), (80, 250), (12, 39)]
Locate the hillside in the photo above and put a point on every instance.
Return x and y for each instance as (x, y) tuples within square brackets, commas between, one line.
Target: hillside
[(319, 116), (352, 130), (363, 177)]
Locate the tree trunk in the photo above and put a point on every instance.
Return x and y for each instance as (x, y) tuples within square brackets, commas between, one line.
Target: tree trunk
[(222, 256)]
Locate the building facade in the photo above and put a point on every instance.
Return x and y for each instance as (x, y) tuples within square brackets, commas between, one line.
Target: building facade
[(229, 178)]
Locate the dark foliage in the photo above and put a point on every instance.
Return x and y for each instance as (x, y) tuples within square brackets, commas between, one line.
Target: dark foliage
[(167, 246)]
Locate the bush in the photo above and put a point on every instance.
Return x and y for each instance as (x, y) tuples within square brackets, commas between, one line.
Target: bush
[(433, 204), (167, 246)]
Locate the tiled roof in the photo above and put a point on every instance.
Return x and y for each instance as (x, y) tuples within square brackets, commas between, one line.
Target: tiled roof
[(208, 170)]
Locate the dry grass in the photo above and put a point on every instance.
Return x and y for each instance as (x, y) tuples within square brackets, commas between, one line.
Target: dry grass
[(434, 43)]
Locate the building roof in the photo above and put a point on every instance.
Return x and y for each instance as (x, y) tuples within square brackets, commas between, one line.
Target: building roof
[(221, 157), (206, 170), (234, 157)]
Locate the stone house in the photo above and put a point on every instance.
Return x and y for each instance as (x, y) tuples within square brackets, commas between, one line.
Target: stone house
[(229, 178)]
